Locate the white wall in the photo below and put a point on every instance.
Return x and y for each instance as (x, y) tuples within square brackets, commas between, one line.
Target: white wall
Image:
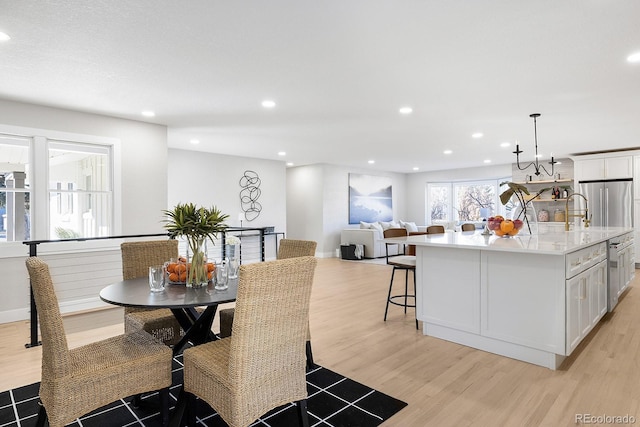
[(214, 179), (318, 203), (143, 166), (143, 159), (305, 204)]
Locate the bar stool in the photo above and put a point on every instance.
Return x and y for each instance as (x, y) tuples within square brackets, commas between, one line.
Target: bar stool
[(400, 262)]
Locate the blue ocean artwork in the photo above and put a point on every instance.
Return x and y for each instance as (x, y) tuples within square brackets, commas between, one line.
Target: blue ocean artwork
[(370, 199)]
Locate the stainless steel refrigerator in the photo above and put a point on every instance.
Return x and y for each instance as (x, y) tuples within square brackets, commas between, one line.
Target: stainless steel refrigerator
[(610, 202)]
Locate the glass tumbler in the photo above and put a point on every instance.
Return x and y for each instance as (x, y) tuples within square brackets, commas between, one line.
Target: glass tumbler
[(156, 278), (222, 276)]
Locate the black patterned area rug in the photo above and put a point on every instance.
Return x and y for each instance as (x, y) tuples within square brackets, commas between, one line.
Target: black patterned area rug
[(333, 400)]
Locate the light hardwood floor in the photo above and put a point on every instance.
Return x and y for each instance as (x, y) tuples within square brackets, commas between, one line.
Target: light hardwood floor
[(444, 383)]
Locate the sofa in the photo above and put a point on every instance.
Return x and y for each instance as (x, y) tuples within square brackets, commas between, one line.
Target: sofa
[(370, 236)]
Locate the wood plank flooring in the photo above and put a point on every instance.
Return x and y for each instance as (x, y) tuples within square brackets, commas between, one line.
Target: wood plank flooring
[(445, 384)]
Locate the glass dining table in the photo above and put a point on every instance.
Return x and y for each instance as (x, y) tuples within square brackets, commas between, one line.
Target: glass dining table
[(181, 300)]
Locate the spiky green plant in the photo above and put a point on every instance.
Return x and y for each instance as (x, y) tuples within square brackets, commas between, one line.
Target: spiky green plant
[(196, 224)]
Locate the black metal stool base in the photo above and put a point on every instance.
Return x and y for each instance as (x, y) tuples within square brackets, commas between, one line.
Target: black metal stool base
[(405, 297)]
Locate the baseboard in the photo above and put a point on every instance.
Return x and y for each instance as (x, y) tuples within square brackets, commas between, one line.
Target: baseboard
[(16, 315)]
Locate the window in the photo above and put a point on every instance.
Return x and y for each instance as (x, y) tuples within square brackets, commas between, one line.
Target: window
[(470, 201), (15, 214), (79, 190), (55, 188)]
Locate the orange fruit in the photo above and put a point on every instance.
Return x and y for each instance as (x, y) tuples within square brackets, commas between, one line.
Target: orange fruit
[(211, 266), (174, 277), (507, 225), (171, 267), (513, 232), (210, 275), (499, 232), (180, 268), (183, 277)]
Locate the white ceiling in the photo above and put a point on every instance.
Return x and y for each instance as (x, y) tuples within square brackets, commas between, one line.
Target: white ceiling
[(339, 70)]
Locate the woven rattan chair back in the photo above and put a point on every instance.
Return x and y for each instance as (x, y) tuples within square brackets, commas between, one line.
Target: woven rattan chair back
[(79, 380), (55, 351), (468, 227), (266, 353), (137, 257), (290, 248)]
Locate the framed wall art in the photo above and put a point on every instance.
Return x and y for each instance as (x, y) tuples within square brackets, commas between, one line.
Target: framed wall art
[(369, 198)]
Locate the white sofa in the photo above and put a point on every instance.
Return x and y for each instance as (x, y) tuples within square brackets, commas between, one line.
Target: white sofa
[(371, 239)]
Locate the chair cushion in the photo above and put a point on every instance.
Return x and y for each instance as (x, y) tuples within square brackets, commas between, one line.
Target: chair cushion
[(403, 261)]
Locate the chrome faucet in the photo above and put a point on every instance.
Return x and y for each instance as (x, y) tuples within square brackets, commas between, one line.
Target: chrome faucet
[(585, 216)]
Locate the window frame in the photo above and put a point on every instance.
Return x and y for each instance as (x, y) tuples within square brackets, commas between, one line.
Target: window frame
[(452, 190), (39, 175)]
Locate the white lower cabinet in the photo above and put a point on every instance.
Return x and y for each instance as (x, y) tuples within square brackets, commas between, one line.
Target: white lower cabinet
[(586, 303), (627, 267)]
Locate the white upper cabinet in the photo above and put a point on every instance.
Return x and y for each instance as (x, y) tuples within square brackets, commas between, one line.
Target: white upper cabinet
[(604, 168)]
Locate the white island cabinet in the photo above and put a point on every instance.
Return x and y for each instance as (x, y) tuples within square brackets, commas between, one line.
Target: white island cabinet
[(532, 298)]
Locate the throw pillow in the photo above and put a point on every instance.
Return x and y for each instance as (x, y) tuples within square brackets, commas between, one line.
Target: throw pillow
[(378, 227), (388, 225), (410, 226)]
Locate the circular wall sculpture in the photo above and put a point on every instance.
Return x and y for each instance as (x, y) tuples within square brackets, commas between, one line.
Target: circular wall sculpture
[(249, 195)]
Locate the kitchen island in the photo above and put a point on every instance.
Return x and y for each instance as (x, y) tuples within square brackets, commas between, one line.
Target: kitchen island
[(528, 297)]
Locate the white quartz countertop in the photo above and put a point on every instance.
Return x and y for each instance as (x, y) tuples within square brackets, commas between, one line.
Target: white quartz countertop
[(551, 243)]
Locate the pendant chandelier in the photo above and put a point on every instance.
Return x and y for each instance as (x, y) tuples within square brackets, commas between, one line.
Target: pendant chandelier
[(536, 165)]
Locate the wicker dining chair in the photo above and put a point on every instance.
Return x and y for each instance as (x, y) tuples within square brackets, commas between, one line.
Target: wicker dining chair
[(262, 365), (289, 248), (80, 380), (468, 227), (137, 257)]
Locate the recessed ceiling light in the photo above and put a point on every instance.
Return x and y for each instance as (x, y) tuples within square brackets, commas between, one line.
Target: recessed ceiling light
[(634, 58), (447, 151), (195, 141), (406, 110), (487, 161), (148, 113), (4, 37), (282, 153), (477, 135), (267, 103), (416, 168), (505, 144), (371, 162), (289, 164)]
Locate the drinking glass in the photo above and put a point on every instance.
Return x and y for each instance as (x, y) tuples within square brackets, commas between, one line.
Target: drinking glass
[(222, 276), (234, 264), (156, 278)]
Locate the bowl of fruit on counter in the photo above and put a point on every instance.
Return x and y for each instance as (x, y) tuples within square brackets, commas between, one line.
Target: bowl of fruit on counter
[(504, 227)]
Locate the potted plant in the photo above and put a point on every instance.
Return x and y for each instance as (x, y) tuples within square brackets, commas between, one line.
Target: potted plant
[(196, 225), (519, 191)]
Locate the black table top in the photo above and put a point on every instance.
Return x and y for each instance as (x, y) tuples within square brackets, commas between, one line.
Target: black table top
[(136, 293)]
